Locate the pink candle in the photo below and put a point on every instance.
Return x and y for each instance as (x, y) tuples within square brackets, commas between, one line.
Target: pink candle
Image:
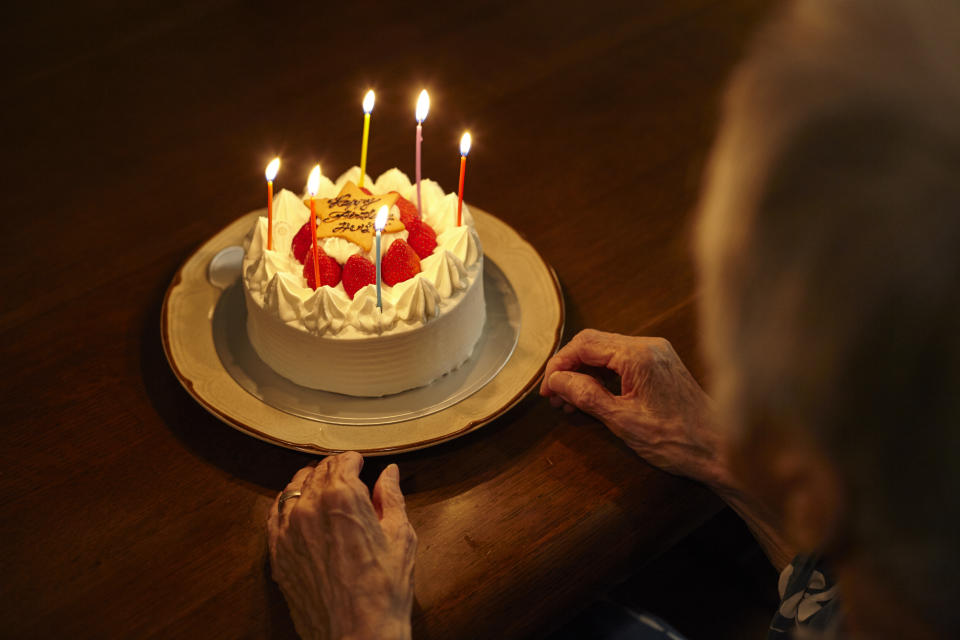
[(423, 107), (419, 140)]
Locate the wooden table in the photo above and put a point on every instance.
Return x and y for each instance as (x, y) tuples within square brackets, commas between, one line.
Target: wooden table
[(132, 134)]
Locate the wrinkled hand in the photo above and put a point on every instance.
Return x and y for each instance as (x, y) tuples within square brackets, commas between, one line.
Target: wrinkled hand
[(343, 562), (662, 413)]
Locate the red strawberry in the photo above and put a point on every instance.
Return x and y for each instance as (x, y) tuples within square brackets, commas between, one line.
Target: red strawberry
[(358, 272), (329, 269), (422, 238), (399, 263), (301, 242), (408, 211)]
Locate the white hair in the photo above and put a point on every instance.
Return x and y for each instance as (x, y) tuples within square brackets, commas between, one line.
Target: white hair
[(829, 250)]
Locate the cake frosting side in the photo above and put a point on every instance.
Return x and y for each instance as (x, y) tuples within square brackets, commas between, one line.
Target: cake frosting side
[(428, 324)]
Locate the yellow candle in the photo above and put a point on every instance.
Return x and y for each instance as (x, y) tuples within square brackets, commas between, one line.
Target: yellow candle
[(270, 174), (367, 109)]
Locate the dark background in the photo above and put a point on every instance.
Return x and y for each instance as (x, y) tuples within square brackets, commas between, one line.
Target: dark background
[(133, 132)]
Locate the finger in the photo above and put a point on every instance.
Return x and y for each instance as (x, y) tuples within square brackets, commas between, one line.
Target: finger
[(584, 392), (563, 360), (300, 477), (560, 361), (320, 478), (556, 402), (297, 482), (336, 487), (589, 347), (387, 498), (346, 465)]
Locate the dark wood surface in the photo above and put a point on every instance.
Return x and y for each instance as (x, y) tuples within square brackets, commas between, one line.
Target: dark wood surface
[(133, 133)]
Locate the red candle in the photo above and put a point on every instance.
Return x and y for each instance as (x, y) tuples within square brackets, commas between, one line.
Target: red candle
[(464, 150), (313, 184), (270, 174)]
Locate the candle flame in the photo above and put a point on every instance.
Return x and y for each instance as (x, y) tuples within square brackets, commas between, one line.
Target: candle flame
[(465, 143), (313, 182), (423, 106), (272, 169), (368, 101), (381, 220)]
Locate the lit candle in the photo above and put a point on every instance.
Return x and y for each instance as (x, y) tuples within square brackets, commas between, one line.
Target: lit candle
[(464, 150), (271, 173), (379, 223), (313, 185), (367, 109), (423, 106)]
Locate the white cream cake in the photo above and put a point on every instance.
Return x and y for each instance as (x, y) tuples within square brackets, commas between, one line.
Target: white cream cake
[(326, 338)]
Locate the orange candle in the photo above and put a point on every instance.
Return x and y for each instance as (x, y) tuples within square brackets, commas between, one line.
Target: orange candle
[(270, 174), (464, 150), (313, 184)]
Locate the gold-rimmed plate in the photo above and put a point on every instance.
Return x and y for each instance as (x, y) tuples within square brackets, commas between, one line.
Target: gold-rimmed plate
[(198, 318)]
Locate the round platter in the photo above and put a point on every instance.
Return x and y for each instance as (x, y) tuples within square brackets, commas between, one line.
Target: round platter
[(199, 329)]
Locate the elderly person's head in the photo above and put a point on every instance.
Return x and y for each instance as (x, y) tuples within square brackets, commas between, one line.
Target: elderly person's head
[(829, 246)]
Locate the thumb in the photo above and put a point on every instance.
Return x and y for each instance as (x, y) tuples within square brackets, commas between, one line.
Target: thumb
[(582, 391), (387, 497)]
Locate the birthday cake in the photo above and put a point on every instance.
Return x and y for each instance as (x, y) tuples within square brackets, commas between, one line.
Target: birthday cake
[(320, 326)]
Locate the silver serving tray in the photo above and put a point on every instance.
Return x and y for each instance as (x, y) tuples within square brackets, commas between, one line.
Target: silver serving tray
[(492, 352)]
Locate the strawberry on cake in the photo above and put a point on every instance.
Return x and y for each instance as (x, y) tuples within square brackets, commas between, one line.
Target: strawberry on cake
[(321, 327)]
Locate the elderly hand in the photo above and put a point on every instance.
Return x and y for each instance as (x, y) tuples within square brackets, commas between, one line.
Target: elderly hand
[(344, 562), (661, 413)]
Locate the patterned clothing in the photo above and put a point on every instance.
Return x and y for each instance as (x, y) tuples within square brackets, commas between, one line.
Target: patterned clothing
[(809, 606), (809, 609)]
